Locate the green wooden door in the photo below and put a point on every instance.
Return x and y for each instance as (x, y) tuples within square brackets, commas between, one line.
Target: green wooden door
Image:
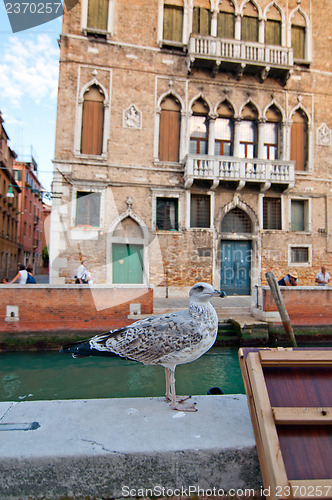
[(127, 263)]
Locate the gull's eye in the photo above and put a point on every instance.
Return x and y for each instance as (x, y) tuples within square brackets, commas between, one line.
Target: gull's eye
[(199, 288)]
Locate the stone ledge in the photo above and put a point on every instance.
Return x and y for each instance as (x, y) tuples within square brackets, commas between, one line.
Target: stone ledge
[(96, 448)]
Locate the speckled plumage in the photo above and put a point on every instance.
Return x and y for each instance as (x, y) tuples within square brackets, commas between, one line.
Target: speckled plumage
[(166, 339)]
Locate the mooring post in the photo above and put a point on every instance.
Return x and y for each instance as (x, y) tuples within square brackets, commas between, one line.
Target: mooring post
[(273, 284)]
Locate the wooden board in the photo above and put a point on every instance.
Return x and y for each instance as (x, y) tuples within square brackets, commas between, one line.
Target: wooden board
[(289, 395)]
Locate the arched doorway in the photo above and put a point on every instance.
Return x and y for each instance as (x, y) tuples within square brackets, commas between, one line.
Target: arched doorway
[(236, 253), (128, 253)]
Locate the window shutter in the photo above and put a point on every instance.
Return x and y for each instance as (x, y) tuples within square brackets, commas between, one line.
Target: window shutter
[(298, 142), (97, 14), (173, 21), (92, 122), (92, 128), (225, 25), (201, 21), (249, 29), (169, 130), (298, 36), (272, 32)]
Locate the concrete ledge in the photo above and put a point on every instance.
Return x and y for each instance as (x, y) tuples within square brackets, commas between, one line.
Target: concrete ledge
[(117, 447)]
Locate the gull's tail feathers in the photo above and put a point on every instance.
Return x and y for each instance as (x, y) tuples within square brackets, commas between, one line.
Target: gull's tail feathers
[(83, 349)]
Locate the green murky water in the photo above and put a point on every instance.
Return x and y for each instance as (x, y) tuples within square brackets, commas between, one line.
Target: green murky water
[(51, 375)]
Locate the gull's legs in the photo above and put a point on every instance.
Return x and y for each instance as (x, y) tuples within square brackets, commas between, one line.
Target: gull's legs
[(168, 394), (178, 404)]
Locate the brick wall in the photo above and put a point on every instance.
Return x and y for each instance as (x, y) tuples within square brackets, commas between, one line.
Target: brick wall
[(70, 308), (306, 306)]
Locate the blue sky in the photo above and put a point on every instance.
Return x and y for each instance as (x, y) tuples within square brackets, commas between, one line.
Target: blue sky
[(29, 63)]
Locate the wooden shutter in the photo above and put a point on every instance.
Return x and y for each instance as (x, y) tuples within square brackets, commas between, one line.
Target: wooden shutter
[(169, 131), (298, 36), (173, 21), (272, 32), (225, 25), (97, 14), (92, 122), (201, 21), (298, 141), (249, 29)]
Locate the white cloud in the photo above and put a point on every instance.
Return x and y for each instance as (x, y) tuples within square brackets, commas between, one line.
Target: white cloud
[(29, 69)]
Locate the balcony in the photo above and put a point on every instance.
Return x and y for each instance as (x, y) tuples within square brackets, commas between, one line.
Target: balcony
[(237, 172), (239, 57)]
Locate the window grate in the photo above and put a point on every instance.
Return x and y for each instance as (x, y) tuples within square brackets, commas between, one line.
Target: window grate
[(236, 221), (200, 210), (271, 213), (299, 255)]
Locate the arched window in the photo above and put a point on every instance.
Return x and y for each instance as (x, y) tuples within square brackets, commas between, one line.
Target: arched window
[(273, 27), (236, 221), (199, 125), (272, 134), (249, 24), (298, 35), (92, 121), (224, 130), (299, 140), (173, 20), (226, 20), (169, 129), (201, 17), (248, 132)]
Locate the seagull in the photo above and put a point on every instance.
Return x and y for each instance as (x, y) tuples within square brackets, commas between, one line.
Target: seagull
[(168, 340)]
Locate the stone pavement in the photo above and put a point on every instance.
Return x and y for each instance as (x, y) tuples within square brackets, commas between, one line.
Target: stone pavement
[(104, 448)]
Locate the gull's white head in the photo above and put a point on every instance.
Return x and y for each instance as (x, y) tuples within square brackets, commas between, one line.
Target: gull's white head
[(203, 292)]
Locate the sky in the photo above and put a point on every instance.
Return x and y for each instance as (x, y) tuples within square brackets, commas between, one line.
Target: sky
[(29, 64)]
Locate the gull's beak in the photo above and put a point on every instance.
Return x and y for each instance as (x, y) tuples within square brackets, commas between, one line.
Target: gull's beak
[(218, 293)]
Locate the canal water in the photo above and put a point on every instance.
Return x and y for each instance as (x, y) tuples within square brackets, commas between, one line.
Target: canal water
[(32, 376)]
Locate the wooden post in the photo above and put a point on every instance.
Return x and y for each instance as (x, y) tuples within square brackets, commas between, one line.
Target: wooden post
[(273, 284)]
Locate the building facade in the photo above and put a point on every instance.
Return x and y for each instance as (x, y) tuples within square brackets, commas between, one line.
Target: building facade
[(9, 211), (31, 207), (193, 142)]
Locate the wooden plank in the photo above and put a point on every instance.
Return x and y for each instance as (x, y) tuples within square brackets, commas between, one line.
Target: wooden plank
[(275, 467), (304, 416), (311, 488), (296, 358)]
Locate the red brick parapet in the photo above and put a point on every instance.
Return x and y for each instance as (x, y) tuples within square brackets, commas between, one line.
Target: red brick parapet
[(306, 305), (71, 308)]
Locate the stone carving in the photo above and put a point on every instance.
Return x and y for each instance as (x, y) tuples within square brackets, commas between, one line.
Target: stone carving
[(324, 135), (132, 117)]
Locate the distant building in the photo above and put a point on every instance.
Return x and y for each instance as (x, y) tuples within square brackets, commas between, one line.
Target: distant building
[(31, 208), (194, 136), (9, 247)]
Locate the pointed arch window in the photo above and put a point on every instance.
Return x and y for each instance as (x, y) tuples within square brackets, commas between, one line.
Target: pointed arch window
[(199, 128), (272, 129), (248, 132), (201, 18), (92, 121), (224, 130), (299, 140), (173, 20), (226, 20), (236, 221), (169, 129), (298, 35), (273, 27), (249, 24)]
